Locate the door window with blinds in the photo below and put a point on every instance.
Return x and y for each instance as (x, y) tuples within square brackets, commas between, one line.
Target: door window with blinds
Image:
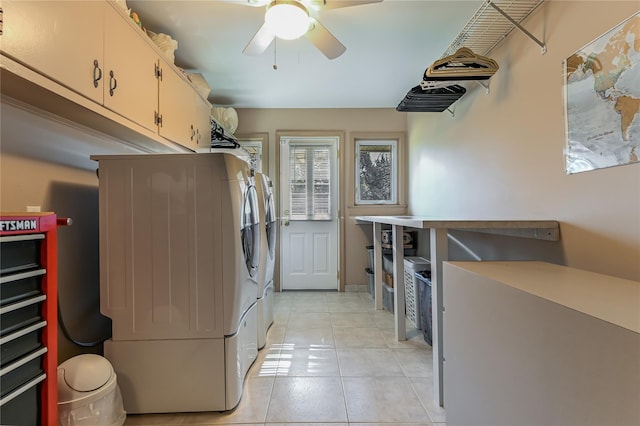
[(310, 183), (376, 172)]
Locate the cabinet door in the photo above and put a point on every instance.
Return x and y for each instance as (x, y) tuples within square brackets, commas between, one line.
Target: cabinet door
[(203, 120), (177, 107), (59, 39), (130, 83)]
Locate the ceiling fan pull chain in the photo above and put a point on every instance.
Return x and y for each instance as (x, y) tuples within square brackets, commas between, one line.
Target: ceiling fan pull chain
[(275, 53)]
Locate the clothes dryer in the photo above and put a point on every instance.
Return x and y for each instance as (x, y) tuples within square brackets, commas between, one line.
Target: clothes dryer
[(245, 206), (267, 258), (179, 243)]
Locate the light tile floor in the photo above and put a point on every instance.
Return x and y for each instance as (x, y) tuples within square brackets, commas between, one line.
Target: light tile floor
[(330, 358)]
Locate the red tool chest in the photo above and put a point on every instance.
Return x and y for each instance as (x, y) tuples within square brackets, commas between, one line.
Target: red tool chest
[(28, 319)]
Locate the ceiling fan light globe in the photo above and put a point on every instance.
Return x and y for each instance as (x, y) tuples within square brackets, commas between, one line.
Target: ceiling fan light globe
[(287, 20)]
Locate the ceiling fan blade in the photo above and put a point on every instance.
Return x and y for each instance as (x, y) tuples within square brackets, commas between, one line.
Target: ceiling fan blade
[(337, 4), (260, 41), (324, 40), (252, 3)]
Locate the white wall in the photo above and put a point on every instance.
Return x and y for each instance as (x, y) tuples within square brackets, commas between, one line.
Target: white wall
[(501, 156)]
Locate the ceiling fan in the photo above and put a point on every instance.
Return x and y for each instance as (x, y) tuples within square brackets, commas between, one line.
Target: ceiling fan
[(291, 19)]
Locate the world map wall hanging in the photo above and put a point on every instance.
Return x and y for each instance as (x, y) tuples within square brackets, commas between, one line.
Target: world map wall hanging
[(602, 100)]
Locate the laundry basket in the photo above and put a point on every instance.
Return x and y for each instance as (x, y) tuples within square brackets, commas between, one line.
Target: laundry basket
[(88, 394), (412, 298)]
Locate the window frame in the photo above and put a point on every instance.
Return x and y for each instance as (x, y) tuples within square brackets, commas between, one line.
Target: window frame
[(259, 141), (395, 175)]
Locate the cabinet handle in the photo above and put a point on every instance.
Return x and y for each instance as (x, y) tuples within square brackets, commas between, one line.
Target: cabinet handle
[(97, 73), (113, 83), (193, 132)]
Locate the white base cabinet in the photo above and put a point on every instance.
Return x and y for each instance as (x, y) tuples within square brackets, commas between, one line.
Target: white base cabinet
[(531, 343)]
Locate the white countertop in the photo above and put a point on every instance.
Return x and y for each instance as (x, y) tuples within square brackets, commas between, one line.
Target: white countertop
[(608, 298), (424, 222), (537, 229)]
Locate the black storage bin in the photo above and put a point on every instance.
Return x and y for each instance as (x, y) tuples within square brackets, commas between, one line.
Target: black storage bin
[(424, 292)]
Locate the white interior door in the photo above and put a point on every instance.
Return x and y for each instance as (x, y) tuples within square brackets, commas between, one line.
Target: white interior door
[(309, 213)]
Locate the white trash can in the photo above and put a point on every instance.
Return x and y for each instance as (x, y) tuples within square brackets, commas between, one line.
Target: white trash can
[(88, 394)]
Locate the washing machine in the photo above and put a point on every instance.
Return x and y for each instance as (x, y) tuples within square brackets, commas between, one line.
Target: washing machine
[(180, 247), (268, 256)]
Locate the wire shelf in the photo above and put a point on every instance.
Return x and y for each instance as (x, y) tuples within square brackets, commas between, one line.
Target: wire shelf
[(491, 24), (488, 26)]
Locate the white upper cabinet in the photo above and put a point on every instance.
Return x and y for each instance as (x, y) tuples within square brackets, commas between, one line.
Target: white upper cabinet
[(184, 115), (203, 123), (177, 108), (95, 50), (62, 40), (130, 83)]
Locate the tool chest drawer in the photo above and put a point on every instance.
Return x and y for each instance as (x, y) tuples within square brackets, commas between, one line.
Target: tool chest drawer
[(20, 314), (20, 253), (21, 372), (20, 342), (20, 286), (23, 406)]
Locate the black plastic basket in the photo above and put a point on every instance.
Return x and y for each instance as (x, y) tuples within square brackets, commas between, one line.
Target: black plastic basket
[(424, 292)]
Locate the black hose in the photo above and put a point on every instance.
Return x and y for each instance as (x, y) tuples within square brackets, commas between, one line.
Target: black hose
[(71, 339)]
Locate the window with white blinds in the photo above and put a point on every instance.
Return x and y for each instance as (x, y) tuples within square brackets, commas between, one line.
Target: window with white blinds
[(309, 180)]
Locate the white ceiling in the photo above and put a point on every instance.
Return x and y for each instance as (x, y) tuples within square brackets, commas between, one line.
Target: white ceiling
[(389, 45)]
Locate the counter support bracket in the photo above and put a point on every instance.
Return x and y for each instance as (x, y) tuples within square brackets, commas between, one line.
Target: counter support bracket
[(547, 234)]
